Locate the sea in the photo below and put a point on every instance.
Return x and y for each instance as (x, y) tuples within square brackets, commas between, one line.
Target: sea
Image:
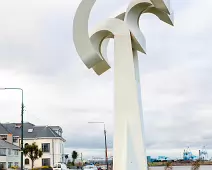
[(204, 167)]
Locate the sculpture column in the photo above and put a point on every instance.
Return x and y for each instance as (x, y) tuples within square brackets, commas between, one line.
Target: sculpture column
[(129, 149), (128, 144)]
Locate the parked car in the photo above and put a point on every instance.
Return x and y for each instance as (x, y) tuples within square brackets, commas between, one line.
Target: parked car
[(60, 166), (90, 167)]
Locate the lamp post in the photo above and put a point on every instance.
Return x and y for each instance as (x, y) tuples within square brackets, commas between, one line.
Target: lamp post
[(105, 136), (22, 119)]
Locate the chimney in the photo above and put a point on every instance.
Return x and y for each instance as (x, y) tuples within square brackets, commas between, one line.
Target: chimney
[(10, 138)]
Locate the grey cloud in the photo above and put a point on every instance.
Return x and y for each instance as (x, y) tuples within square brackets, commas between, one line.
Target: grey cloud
[(88, 141), (39, 56)]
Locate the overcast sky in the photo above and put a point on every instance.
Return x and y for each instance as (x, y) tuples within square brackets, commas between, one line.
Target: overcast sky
[(37, 54)]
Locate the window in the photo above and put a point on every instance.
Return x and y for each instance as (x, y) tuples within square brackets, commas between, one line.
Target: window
[(3, 137), (15, 152), (60, 133), (16, 164), (9, 152), (10, 164), (2, 152), (46, 147), (46, 162), (26, 161), (15, 139), (30, 130)]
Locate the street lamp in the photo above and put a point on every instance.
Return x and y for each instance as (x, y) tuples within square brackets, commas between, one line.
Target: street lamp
[(22, 120), (105, 134)]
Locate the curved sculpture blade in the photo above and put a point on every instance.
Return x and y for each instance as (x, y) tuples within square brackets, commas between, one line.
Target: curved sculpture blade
[(163, 5), (93, 50), (81, 37), (102, 45), (108, 29), (134, 11), (169, 19)]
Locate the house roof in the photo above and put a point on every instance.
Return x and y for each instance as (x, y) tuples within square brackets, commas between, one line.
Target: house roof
[(15, 130), (7, 145), (3, 130), (40, 131), (37, 131)]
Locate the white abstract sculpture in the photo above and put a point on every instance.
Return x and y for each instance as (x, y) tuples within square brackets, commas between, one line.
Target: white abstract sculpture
[(129, 150)]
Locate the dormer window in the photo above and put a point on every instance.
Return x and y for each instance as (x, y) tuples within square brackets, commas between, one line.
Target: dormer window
[(3, 137), (30, 130), (18, 126)]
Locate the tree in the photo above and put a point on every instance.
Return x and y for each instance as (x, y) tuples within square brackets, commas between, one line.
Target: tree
[(196, 165), (32, 152), (74, 156), (168, 165)]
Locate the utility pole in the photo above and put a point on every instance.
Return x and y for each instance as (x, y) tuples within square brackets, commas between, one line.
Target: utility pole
[(105, 139), (22, 132), (106, 156)]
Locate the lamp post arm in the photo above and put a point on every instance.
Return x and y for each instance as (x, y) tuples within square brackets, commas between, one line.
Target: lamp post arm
[(22, 120)]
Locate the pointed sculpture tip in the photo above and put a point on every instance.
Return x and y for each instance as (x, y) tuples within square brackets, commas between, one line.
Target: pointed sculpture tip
[(143, 51), (172, 18)]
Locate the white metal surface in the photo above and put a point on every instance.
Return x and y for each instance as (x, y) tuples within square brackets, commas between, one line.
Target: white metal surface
[(129, 149)]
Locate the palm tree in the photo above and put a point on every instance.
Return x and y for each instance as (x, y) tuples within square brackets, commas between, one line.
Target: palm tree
[(74, 156), (168, 165), (32, 152), (195, 165)]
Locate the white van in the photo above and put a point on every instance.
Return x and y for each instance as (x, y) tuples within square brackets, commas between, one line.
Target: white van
[(60, 166)]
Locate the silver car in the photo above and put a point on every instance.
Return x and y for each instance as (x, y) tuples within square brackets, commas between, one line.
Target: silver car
[(90, 167)]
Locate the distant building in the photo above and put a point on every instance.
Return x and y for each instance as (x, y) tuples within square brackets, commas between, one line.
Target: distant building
[(188, 155), (163, 158), (48, 138), (10, 155), (99, 160), (158, 159)]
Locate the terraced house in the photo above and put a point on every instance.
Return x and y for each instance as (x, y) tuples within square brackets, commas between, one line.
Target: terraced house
[(48, 138), (9, 153)]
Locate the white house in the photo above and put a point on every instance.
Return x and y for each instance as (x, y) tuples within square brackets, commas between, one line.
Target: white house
[(48, 138), (9, 155)]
